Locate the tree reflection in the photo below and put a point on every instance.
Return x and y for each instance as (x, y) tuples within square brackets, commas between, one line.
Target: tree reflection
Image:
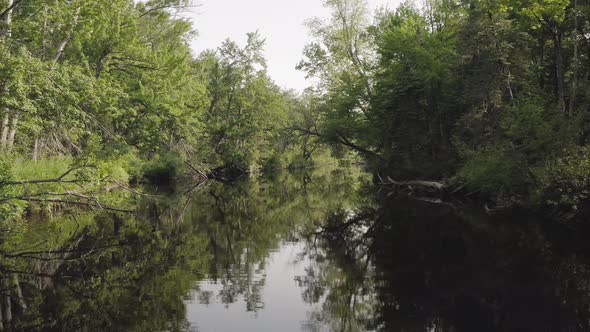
[(250, 220), (372, 263), (105, 271), (109, 273), (415, 266), (339, 274)]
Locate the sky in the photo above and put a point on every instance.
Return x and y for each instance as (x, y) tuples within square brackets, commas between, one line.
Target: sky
[(280, 22)]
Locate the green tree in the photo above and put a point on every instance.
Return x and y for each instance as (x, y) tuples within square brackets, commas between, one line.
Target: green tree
[(246, 108)]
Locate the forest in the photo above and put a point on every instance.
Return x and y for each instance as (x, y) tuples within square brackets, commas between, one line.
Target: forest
[(489, 98)]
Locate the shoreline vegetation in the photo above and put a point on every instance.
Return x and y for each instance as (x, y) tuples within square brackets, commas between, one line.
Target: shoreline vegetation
[(471, 100)]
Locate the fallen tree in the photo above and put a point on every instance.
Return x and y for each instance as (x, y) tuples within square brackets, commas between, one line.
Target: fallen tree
[(61, 194), (417, 185)]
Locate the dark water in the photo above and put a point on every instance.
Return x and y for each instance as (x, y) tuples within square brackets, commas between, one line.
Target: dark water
[(321, 251)]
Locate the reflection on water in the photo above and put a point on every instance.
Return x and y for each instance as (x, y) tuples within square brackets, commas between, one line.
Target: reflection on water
[(278, 301), (298, 252)]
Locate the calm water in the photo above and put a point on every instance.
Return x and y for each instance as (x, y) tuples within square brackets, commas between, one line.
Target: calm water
[(320, 251)]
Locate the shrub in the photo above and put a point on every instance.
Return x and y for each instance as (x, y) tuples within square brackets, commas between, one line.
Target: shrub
[(565, 180), (495, 170), (25, 169), (273, 163), (163, 170)]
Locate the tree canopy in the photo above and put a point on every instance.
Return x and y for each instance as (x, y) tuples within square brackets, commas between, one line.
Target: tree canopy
[(492, 95)]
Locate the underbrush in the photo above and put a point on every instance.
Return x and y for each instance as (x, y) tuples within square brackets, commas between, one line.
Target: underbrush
[(49, 185), (162, 170), (565, 181), (41, 169)]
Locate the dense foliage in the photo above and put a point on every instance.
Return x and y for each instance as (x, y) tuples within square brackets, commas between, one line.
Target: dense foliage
[(95, 79), (100, 87), (491, 94)]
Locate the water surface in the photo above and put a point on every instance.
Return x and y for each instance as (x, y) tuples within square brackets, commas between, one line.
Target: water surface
[(315, 251)]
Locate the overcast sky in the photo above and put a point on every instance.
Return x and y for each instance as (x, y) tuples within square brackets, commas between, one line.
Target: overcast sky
[(280, 22)]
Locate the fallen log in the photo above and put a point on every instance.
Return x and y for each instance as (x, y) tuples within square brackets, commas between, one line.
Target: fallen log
[(416, 185), (445, 193)]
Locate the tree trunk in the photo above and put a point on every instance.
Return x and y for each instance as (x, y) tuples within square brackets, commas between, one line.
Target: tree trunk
[(19, 292), (5, 129), (100, 62), (36, 149), (7, 35), (575, 62), (12, 133), (8, 20), (44, 36), (541, 59), (7, 305), (62, 46), (559, 70)]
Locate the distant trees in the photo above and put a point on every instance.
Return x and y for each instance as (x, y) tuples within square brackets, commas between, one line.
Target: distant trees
[(246, 109)]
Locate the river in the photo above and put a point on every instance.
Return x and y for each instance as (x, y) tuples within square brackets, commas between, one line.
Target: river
[(321, 250)]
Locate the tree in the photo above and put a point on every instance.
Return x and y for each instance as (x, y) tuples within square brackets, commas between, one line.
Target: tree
[(343, 59), (246, 108)]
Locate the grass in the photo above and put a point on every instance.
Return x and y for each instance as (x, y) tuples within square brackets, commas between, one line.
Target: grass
[(42, 169)]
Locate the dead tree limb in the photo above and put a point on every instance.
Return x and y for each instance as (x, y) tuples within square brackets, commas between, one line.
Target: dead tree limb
[(73, 202), (60, 179), (415, 184)]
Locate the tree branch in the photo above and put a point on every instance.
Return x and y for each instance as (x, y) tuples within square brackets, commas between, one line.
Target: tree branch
[(59, 179), (7, 10), (73, 202), (342, 140)]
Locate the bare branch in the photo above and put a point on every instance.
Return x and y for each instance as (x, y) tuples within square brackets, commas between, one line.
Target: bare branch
[(73, 202), (59, 179)]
